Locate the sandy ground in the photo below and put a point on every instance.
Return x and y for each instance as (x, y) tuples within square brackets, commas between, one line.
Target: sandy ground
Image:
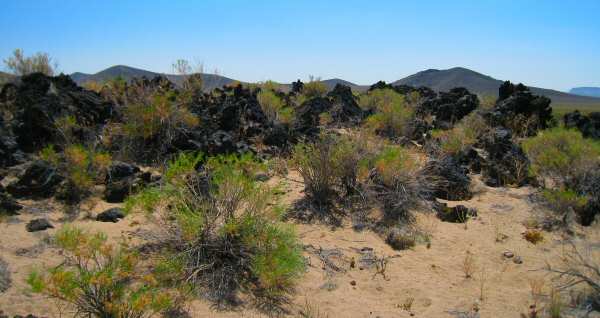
[(421, 282)]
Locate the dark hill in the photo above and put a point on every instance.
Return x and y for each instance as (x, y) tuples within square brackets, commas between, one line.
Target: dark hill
[(126, 72), (444, 80), (586, 91)]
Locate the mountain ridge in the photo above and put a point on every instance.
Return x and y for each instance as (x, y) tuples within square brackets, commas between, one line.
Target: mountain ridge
[(589, 91), (438, 80), (211, 81), (444, 80)]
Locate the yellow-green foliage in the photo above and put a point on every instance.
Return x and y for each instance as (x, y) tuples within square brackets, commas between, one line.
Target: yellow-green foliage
[(455, 140), (225, 205), (159, 116), (487, 101), (314, 88), (66, 126), (394, 163), (273, 107), (50, 155), (560, 153), (270, 85), (93, 86), (84, 166), (100, 279), (81, 166), (392, 112)]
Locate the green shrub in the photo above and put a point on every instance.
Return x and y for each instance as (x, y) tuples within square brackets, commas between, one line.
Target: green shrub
[(455, 140), (81, 166), (314, 88), (564, 199), (99, 279), (393, 163), (153, 117), (392, 112), (274, 108), (223, 221), (560, 154), (317, 165)]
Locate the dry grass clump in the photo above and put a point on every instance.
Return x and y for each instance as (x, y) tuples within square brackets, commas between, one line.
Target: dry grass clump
[(227, 233), (318, 166), (20, 65), (578, 270), (99, 279), (338, 166), (5, 280), (468, 265), (310, 310), (533, 236)]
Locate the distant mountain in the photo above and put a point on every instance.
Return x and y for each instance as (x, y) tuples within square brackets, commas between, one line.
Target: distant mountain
[(330, 83), (438, 80), (5, 77), (211, 81), (586, 91), (444, 80)]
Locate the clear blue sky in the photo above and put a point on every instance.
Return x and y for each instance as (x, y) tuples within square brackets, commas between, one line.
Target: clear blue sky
[(553, 44)]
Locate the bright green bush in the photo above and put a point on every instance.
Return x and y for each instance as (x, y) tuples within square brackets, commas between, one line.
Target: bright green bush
[(393, 163), (560, 154), (225, 222), (99, 279), (392, 112)]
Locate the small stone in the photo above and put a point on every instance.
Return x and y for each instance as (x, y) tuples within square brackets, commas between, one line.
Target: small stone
[(518, 260), (261, 177), (38, 225), (353, 283), (508, 254)]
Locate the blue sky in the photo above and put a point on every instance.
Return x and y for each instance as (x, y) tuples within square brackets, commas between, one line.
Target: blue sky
[(553, 44)]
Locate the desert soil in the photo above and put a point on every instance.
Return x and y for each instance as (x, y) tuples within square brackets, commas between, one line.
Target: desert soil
[(420, 282)]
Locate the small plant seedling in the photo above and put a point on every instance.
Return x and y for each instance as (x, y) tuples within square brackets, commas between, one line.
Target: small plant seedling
[(468, 265)]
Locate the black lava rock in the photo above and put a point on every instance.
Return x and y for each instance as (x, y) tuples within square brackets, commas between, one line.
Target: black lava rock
[(111, 215), (504, 162), (589, 125), (517, 102), (452, 181), (38, 225), (117, 191), (448, 107), (119, 170), (457, 214), (41, 100), (40, 179), (8, 205)]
